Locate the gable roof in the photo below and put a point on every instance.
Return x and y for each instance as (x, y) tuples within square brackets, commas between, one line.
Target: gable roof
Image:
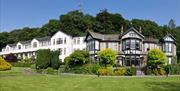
[(169, 35), (132, 29)]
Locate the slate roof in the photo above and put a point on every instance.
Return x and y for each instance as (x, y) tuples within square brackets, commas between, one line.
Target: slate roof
[(11, 45), (25, 42), (44, 38), (151, 40), (104, 37)]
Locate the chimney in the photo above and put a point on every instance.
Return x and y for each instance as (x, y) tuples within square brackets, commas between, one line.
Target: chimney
[(122, 29), (140, 29)]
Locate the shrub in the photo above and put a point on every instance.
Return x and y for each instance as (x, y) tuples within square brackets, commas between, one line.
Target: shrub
[(11, 58), (23, 63), (107, 56), (94, 68), (130, 71), (167, 69), (156, 57), (102, 71), (33, 66), (43, 59), (81, 70), (105, 71), (63, 69), (4, 65), (159, 71), (50, 70), (175, 69), (119, 72), (77, 58), (147, 70), (55, 59)]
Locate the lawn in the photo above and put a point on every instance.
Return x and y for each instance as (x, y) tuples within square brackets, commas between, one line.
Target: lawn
[(15, 80)]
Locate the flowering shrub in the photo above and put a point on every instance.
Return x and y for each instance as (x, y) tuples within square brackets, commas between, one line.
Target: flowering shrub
[(4, 65)]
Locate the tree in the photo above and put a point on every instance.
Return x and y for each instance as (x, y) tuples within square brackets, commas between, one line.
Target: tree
[(156, 57), (107, 56), (43, 58), (55, 59), (77, 58), (171, 24)]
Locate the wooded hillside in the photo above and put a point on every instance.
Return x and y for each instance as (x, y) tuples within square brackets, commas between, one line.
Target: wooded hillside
[(76, 23)]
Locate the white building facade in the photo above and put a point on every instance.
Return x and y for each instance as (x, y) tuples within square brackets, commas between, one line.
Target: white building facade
[(61, 41)]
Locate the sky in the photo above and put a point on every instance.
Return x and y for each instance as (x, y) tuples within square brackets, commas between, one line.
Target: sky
[(16, 14)]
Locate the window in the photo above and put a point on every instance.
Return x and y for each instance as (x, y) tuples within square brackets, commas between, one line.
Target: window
[(64, 51), (59, 41), (60, 51), (19, 46), (127, 44), (78, 41), (35, 44), (106, 44), (65, 40), (137, 45), (74, 40), (132, 44), (168, 47), (53, 41)]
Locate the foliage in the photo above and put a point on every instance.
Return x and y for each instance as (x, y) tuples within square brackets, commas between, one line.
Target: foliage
[(77, 58), (130, 71), (4, 65), (156, 57), (27, 62), (120, 72), (175, 69), (43, 58), (167, 69), (11, 58), (50, 70), (55, 59), (105, 71), (107, 56), (158, 71)]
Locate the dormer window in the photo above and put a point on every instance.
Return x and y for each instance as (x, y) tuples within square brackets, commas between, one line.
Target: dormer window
[(35, 44), (19, 47)]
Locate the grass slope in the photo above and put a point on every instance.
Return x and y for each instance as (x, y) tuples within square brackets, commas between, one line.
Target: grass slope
[(15, 80)]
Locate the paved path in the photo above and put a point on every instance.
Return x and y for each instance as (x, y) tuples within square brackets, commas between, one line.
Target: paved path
[(71, 74)]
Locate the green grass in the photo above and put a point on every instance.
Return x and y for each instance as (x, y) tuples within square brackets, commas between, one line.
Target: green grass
[(15, 80)]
